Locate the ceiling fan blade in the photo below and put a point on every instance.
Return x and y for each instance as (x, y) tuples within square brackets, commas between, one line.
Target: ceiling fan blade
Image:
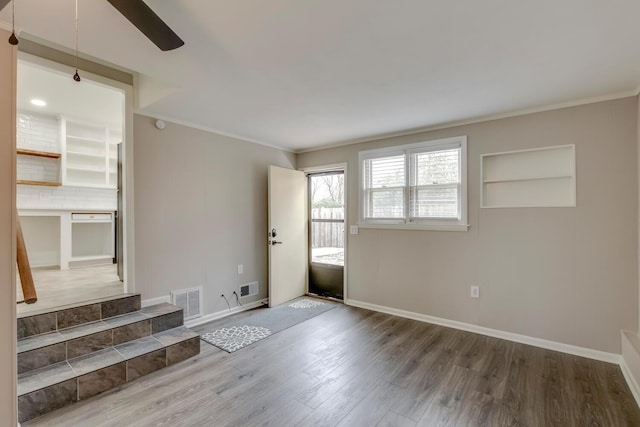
[(3, 3), (148, 23)]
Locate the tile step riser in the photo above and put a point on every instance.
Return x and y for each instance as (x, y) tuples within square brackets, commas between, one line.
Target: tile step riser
[(56, 396), (71, 348), (65, 318)]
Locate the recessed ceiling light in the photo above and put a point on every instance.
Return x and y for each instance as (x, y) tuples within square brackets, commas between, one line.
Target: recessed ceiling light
[(38, 102)]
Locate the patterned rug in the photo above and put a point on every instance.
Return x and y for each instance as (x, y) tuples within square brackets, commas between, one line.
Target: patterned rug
[(264, 322)]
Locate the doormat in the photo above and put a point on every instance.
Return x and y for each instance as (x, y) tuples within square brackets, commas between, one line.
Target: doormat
[(265, 322)]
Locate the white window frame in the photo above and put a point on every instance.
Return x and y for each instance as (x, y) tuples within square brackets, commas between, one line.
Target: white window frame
[(407, 223)]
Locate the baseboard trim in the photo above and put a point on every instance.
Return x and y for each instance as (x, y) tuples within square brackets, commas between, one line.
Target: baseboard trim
[(154, 301), (509, 336), (220, 314), (630, 361), (631, 381)]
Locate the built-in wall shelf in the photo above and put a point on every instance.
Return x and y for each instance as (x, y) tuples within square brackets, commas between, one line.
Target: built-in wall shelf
[(90, 154), (540, 177), (35, 153), (43, 183)]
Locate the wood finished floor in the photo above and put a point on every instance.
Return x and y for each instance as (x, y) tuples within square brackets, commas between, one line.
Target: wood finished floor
[(57, 287), (354, 367)]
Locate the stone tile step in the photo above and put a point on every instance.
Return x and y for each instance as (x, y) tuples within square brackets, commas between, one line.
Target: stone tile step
[(44, 390), (45, 321), (38, 351)]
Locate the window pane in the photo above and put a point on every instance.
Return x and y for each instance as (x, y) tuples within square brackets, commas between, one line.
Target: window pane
[(385, 203), (327, 203), (327, 196), (384, 183), (435, 167), (434, 201), (384, 172)]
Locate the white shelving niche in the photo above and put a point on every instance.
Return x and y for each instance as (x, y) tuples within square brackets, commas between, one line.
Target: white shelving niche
[(92, 238), (540, 177), (90, 154)]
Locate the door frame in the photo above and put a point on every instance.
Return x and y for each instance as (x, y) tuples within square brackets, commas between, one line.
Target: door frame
[(333, 168), (127, 214)]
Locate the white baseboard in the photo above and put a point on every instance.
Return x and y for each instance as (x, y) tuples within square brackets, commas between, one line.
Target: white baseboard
[(154, 301), (630, 362), (220, 314), (509, 336)]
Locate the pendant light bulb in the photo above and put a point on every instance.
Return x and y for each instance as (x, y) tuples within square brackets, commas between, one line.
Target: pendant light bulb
[(76, 76), (13, 40)]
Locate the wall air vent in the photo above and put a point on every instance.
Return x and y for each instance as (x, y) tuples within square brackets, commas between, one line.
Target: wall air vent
[(249, 289), (189, 300)]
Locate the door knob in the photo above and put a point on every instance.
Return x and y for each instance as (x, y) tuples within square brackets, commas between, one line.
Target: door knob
[(273, 243)]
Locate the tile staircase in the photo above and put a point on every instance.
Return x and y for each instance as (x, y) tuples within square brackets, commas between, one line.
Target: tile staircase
[(78, 351)]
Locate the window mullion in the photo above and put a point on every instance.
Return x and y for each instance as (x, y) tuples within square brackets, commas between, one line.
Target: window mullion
[(408, 174)]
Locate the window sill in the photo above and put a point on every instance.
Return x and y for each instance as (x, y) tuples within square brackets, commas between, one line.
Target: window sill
[(422, 227)]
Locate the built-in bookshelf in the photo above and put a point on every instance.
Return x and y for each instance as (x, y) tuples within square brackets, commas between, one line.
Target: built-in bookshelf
[(91, 154), (541, 177)]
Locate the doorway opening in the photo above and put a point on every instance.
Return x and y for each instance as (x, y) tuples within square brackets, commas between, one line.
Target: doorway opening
[(326, 233), (69, 183)]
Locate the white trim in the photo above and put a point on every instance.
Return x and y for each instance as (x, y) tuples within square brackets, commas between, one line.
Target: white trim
[(224, 313), (411, 226), (479, 119), (631, 381), (209, 129), (630, 361), (509, 336), (326, 168), (154, 301)]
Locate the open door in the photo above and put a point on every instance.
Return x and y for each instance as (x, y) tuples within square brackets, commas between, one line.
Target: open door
[(287, 235)]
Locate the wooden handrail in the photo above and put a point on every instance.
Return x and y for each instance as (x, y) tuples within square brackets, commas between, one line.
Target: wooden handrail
[(26, 279)]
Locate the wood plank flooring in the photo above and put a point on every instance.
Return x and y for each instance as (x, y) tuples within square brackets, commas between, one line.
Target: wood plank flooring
[(354, 367), (57, 287)]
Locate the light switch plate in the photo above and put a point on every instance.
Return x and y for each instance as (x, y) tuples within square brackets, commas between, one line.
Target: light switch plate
[(353, 229)]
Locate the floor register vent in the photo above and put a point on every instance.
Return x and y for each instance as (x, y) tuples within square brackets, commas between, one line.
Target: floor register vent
[(249, 289), (190, 300)]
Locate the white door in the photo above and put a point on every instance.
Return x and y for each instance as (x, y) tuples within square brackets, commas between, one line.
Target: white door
[(287, 235)]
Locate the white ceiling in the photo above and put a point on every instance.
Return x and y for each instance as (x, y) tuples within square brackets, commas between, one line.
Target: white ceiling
[(88, 101), (302, 74)]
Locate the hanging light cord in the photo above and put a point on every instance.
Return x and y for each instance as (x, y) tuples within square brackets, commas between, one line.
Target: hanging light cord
[(76, 76), (13, 40)]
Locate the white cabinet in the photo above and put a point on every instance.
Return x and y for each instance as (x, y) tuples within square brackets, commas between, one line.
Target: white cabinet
[(541, 177), (90, 154)]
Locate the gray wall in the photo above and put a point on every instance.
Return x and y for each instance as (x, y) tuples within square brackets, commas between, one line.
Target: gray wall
[(200, 210), (8, 400), (562, 274)]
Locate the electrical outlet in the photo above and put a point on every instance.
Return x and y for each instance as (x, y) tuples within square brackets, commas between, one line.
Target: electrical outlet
[(240, 268), (45, 196), (475, 291)]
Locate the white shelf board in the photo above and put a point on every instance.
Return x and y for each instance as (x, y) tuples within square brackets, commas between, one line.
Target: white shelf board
[(86, 169), (86, 139), (81, 154), (90, 257)]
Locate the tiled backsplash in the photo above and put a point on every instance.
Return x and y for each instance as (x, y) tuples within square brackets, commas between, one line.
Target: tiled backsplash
[(35, 197), (37, 168), (41, 132), (38, 132)]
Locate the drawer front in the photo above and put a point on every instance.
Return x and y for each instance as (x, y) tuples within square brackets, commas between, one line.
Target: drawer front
[(91, 217)]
